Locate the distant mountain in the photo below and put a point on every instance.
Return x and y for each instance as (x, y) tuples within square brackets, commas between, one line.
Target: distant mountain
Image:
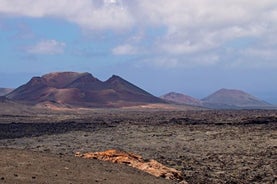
[(10, 107), (180, 98), (3, 99), (4, 91), (81, 90), (233, 99)]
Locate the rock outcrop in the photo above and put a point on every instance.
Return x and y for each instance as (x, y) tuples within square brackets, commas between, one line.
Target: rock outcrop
[(150, 166)]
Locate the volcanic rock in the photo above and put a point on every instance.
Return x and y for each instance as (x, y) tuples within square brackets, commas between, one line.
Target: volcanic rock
[(150, 166)]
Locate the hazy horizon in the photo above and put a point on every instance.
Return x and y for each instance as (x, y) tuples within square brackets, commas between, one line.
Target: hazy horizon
[(191, 47)]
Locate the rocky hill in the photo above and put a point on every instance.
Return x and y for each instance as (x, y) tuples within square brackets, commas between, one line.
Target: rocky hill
[(180, 98), (81, 90), (232, 99)]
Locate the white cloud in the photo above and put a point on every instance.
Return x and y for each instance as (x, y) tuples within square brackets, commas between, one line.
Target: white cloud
[(204, 13), (193, 28), (198, 27), (125, 49), (268, 53), (107, 14), (192, 61), (51, 47)]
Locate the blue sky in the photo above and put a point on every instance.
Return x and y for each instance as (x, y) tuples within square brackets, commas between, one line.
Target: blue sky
[(193, 47)]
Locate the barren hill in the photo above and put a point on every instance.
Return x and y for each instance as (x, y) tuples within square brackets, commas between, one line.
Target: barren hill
[(179, 98), (4, 91), (81, 90), (231, 98)]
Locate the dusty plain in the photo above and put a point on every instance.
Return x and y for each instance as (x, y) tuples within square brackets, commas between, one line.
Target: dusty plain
[(208, 146)]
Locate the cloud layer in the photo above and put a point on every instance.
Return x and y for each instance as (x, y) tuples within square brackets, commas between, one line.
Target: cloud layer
[(50, 47), (194, 30), (97, 14)]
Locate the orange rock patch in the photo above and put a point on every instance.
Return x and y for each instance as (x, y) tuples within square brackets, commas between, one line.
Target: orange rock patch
[(150, 166)]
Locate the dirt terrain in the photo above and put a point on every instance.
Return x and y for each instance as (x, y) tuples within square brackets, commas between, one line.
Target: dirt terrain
[(26, 167), (207, 146)]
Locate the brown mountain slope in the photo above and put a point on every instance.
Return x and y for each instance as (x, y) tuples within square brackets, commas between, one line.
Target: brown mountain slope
[(81, 90), (4, 91), (179, 98), (127, 90), (231, 98)]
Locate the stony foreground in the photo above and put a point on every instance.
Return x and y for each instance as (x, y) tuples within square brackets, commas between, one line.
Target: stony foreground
[(207, 146)]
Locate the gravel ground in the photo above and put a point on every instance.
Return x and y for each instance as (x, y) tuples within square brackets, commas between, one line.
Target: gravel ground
[(27, 167), (207, 146)]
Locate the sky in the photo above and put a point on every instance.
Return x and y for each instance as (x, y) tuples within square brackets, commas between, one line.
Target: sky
[(189, 46)]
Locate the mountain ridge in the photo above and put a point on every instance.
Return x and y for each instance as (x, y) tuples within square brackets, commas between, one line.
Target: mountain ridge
[(221, 99), (81, 90), (73, 89)]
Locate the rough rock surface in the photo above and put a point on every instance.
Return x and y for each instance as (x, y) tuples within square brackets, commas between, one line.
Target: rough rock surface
[(150, 166)]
